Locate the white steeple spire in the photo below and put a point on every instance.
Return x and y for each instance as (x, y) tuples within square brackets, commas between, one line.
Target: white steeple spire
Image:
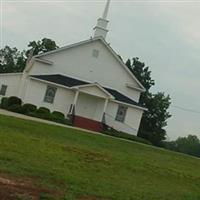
[(105, 14), (101, 28)]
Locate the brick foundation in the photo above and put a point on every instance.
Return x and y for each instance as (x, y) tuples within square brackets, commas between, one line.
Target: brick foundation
[(89, 124)]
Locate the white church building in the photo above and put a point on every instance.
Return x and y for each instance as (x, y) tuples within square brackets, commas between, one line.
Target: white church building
[(86, 79)]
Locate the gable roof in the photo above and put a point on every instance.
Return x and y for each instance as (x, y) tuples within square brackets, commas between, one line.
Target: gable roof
[(101, 39), (96, 85), (70, 82), (120, 97)]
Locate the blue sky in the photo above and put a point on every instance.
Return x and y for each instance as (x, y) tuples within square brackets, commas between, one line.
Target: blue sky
[(163, 34)]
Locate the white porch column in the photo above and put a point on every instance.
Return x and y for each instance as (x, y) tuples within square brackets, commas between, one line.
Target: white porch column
[(76, 97), (73, 105), (105, 107)]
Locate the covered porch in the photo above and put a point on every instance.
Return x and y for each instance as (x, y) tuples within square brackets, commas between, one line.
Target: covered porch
[(89, 106)]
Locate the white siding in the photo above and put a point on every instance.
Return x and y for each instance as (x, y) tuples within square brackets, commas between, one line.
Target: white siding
[(78, 62), (87, 106), (35, 93), (90, 107), (12, 81), (94, 90), (132, 119)]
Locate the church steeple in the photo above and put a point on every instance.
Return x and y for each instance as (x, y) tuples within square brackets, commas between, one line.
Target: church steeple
[(102, 23)]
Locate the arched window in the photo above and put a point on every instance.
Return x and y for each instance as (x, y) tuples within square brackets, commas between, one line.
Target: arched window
[(50, 94), (3, 90), (121, 113)]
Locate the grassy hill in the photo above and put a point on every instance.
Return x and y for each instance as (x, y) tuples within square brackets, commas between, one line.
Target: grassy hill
[(39, 160)]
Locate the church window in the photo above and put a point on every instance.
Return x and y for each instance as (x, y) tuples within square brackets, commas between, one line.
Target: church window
[(3, 90), (50, 94), (95, 53), (121, 113)]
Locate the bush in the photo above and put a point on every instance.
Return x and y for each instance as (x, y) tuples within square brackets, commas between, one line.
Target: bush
[(28, 108), (43, 110), (58, 117), (33, 114), (14, 101), (58, 114), (43, 113), (48, 116), (115, 133), (15, 108), (4, 103)]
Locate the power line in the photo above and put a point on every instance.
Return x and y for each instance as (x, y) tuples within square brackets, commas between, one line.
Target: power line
[(186, 109)]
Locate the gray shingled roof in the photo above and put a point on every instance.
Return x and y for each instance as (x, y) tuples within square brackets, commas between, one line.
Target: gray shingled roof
[(71, 82)]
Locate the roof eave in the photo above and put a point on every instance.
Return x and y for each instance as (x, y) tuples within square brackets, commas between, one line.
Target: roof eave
[(49, 82), (48, 62), (95, 84), (131, 105), (135, 88)]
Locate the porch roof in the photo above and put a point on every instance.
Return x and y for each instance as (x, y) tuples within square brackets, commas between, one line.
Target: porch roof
[(72, 82), (61, 80)]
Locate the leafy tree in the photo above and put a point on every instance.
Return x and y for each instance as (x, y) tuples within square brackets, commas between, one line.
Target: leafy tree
[(41, 46), (188, 145), (142, 72), (11, 60), (155, 119)]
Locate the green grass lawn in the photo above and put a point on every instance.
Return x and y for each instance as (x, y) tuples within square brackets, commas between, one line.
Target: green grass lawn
[(82, 164)]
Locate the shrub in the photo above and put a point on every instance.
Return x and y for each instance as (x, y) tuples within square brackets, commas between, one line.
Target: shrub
[(15, 108), (58, 114), (43, 110), (44, 113), (58, 117), (48, 116), (33, 114), (14, 101), (55, 117), (4, 102), (115, 133), (28, 108), (58, 120)]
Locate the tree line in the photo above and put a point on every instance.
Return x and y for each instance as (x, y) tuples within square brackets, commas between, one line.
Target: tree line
[(154, 120), (188, 145), (13, 60)]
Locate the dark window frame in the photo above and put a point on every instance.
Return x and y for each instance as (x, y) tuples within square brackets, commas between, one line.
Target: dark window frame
[(50, 94), (3, 90), (121, 113)]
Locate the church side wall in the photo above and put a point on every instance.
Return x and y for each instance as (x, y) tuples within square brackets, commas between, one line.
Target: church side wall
[(12, 81), (35, 93), (132, 119), (79, 62)]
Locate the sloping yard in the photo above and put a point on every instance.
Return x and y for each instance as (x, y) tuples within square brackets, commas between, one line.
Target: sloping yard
[(40, 161)]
